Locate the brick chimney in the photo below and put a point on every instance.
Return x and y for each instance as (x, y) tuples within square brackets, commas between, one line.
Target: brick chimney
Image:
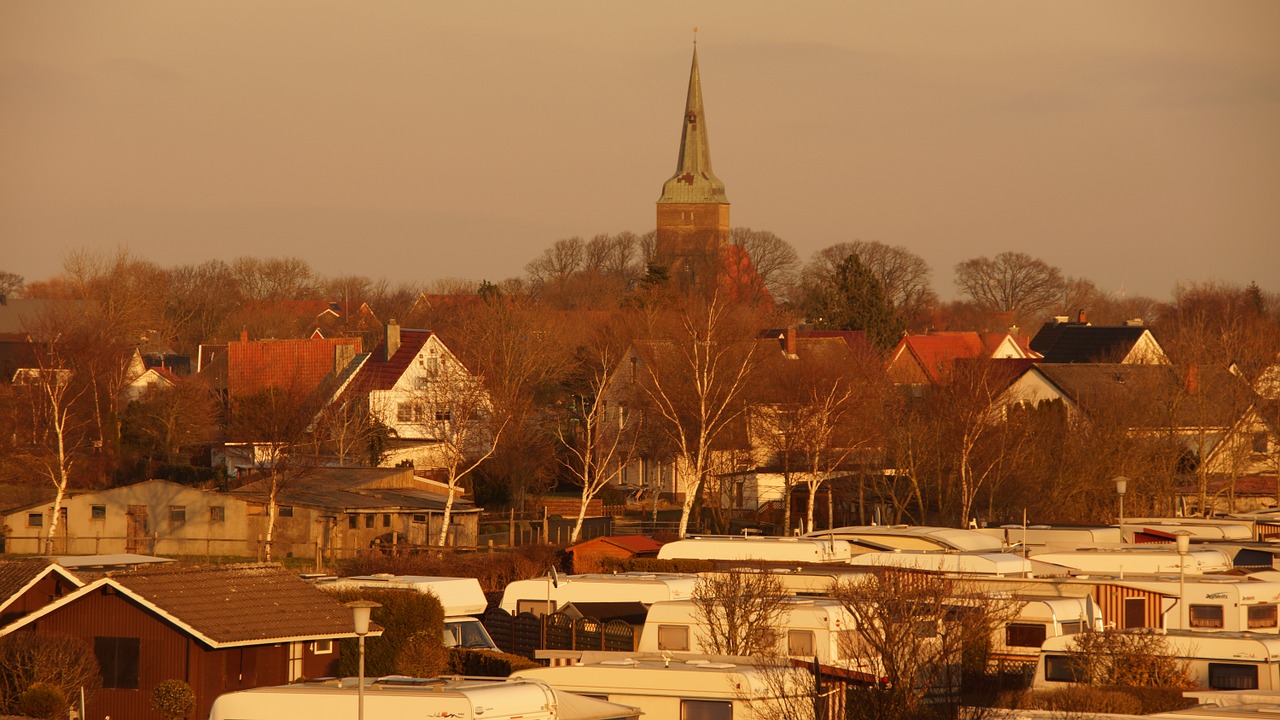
[(791, 341), (1193, 379), (244, 335), (392, 343), (1081, 318)]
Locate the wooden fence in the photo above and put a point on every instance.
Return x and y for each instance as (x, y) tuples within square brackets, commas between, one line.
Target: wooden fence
[(526, 633)]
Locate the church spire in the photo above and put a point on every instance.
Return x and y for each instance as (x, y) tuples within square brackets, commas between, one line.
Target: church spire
[(694, 182)]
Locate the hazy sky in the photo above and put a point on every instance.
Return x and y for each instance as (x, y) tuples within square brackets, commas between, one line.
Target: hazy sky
[(1133, 143)]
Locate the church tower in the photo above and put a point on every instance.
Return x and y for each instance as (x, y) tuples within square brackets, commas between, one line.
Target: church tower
[(693, 212)]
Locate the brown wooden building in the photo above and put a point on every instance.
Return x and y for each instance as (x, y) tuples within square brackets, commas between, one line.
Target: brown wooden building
[(28, 584), (219, 629)]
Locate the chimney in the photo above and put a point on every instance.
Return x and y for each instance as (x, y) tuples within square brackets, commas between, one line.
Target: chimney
[(791, 341), (1193, 379), (244, 335), (392, 343), (1081, 319)]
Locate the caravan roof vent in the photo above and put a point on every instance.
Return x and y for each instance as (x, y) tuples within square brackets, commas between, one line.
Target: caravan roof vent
[(621, 662)]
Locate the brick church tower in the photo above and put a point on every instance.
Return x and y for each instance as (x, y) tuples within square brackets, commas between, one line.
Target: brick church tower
[(693, 212)]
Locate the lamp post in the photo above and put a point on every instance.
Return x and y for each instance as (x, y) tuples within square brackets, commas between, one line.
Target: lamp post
[(1122, 486), (1184, 545), (360, 611)]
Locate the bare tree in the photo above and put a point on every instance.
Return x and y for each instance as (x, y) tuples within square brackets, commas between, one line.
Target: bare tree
[(692, 375), (346, 431), (27, 658), (164, 421), (1011, 281), (599, 439), (740, 612), (10, 283), (773, 258), (919, 630)]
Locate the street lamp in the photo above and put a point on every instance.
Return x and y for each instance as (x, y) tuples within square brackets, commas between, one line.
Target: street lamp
[(1184, 545), (1122, 486), (360, 611)]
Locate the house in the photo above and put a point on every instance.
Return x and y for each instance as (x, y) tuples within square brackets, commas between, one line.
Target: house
[(1065, 341), (414, 385), (298, 367), (927, 360), (28, 584), (589, 556), (155, 516), (339, 512), (217, 628)]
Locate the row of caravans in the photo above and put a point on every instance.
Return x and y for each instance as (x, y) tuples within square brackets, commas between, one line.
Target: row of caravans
[(392, 698)]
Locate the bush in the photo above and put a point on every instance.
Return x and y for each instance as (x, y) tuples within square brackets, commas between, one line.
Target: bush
[(1082, 699), (42, 700), (404, 614), (494, 570), (654, 565), (424, 656), (174, 699), (487, 663), (1128, 659), (66, 663)]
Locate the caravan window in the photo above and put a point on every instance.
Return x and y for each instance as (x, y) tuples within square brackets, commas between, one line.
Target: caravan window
[(800, 643), (1262, 616), (1060, 668), (1205, 616), (1024, 635), (1226, 676), (537, 607), (706, 710), (673, 637), (1075, 627)]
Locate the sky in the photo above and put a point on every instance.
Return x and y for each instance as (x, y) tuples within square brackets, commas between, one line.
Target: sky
[(1133, 143)]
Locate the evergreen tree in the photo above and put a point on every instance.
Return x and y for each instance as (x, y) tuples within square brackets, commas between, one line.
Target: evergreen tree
[(856, 301)]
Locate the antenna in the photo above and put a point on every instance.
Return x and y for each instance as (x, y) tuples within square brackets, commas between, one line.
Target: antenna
[(695, 37)]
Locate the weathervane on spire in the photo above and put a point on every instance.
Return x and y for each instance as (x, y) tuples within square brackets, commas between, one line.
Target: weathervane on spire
[(695, 37)]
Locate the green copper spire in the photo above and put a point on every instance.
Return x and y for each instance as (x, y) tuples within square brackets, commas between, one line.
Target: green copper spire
[(694, 182)]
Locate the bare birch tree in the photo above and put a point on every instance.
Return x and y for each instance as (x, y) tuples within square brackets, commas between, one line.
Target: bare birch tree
[(693, 375)]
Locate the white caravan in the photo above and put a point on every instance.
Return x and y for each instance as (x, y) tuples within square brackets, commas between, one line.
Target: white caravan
[(997, 564), (549, 594), (1215, 661), (663, 686), (911, 537), (392, 698), (756, 548), (1139, 560), (461, 598), (1215, 603), (813, 627), (1040, 619), (1055, 537)]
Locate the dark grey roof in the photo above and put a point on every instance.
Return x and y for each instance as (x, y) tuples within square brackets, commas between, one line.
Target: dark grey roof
[(1077, 343), (354, 489)]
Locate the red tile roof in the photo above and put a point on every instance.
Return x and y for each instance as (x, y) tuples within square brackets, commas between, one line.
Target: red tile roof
[(937, 352), (298, 366), (380, 374)]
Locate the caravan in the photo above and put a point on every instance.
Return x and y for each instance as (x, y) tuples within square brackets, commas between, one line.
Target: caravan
[(392, 698), (1215, 661), (461, 598), (547, 595)]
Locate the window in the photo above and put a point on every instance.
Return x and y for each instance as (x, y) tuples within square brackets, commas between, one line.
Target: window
[(217, 513), (409, 412), (1228, 676), (800, 643), (1030, 635), (1135, 612), (673, 637), (117, 661), (420, 519), (368, 521), (1205, 616), (353, 522), (35, 519), (322, 647), (1260, 443), (284, 511), (444, 415), (97, 512), (537, 607), (706, 710), (1262, 616), (177, 515), (386, 520), (1060, 668)]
